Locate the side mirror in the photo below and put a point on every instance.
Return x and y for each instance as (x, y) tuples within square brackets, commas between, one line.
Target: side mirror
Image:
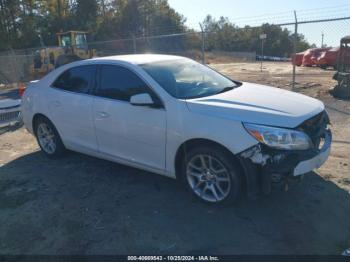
[(143, 99)]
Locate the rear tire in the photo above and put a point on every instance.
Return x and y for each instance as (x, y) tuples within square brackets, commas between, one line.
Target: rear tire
[(48, 138), (211, 175), (66, 59)]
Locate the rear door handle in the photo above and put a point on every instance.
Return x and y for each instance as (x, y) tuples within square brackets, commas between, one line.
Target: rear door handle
[(103, 114)]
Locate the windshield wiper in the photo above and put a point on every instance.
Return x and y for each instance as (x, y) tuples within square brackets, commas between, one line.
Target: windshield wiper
[(226, 89)]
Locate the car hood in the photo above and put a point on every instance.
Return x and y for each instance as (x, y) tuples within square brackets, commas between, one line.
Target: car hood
[(253, 103)]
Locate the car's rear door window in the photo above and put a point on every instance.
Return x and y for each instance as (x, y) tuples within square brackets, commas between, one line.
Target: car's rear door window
[(77, 79)]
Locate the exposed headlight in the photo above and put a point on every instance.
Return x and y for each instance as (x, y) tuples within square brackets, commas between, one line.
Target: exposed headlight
[(279, 138)]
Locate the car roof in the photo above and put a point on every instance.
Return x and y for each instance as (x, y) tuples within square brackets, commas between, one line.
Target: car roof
[(138, 59)]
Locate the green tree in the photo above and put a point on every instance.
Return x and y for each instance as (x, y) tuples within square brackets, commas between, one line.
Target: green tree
[(224, 35), (9, 27), (30, 23), (85, 13)]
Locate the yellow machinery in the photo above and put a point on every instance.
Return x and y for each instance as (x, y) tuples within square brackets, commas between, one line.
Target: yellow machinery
[(72, 46)]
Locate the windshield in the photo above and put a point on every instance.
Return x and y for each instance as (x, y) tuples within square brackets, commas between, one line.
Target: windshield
[(186, 79), (65, 40), (81, 40)]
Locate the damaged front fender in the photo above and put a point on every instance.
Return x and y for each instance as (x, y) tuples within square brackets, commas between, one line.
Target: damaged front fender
[(260, 162), (266, 162), (257, 156)]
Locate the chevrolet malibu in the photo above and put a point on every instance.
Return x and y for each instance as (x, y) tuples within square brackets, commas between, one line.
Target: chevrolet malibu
[(175, 117)]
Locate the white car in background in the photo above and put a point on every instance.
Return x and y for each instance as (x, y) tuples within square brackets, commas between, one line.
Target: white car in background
[(175, 117), (10, 112)]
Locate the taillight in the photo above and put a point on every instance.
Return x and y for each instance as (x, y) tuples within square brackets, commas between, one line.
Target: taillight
[(21, 89)]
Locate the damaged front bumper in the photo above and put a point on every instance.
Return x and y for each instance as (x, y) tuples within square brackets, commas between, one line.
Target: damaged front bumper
[(318, 160), (262, 163)]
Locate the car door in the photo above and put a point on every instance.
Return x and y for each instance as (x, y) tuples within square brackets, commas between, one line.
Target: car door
[(132, 133), (70, 106)]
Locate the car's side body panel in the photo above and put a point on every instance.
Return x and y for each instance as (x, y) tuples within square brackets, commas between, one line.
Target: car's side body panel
[(134, 133), (33, 102), (72, 115), (186, 125)]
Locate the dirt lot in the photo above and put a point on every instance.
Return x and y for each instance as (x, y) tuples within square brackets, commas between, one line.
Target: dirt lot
[(83, 205)]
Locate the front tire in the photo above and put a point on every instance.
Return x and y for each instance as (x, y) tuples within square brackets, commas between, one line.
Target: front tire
[(211, 175), (48, 138)]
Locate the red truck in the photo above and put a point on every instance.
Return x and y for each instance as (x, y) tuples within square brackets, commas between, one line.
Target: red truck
[(328, 58), (297, 59), (311, 56)]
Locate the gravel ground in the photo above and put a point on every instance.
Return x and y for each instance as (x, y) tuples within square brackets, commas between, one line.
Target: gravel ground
[(83, 205)]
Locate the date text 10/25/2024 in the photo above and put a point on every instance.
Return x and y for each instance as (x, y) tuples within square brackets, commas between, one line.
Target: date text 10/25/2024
[(173, 258)]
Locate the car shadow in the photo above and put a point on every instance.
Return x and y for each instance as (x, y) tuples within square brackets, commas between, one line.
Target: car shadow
[(83, 205)]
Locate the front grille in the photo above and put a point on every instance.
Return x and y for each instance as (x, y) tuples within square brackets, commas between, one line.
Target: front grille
[(315, 127), (9, 116)]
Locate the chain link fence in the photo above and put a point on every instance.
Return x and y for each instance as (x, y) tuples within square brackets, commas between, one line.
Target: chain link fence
[(15, 66), (213, 47)]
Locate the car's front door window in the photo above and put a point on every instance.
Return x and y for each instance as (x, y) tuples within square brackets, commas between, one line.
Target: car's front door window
[(120, 83)]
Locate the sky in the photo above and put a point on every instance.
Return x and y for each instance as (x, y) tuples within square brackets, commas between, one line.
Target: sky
[(254, 12)]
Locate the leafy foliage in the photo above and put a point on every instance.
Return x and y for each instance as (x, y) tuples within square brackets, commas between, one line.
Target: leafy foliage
[(23, 22), (224, 35)]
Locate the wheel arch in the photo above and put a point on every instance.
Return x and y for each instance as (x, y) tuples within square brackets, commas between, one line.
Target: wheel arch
[(196, 142), (36, 117), (60, 146)]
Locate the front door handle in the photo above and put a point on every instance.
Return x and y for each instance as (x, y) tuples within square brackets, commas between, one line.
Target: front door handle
[(103, 114)]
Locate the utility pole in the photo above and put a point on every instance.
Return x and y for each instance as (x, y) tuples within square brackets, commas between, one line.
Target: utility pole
[(295, 48), (134, 43), (203, 43), (322, 40), (262, 37), (262, 54)]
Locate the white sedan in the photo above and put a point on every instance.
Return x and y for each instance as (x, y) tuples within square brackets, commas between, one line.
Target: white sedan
[(10, 110), (175, 117)]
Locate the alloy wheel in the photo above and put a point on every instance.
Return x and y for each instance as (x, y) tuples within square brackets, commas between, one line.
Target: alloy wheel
[(46, 138), (208, 178)]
